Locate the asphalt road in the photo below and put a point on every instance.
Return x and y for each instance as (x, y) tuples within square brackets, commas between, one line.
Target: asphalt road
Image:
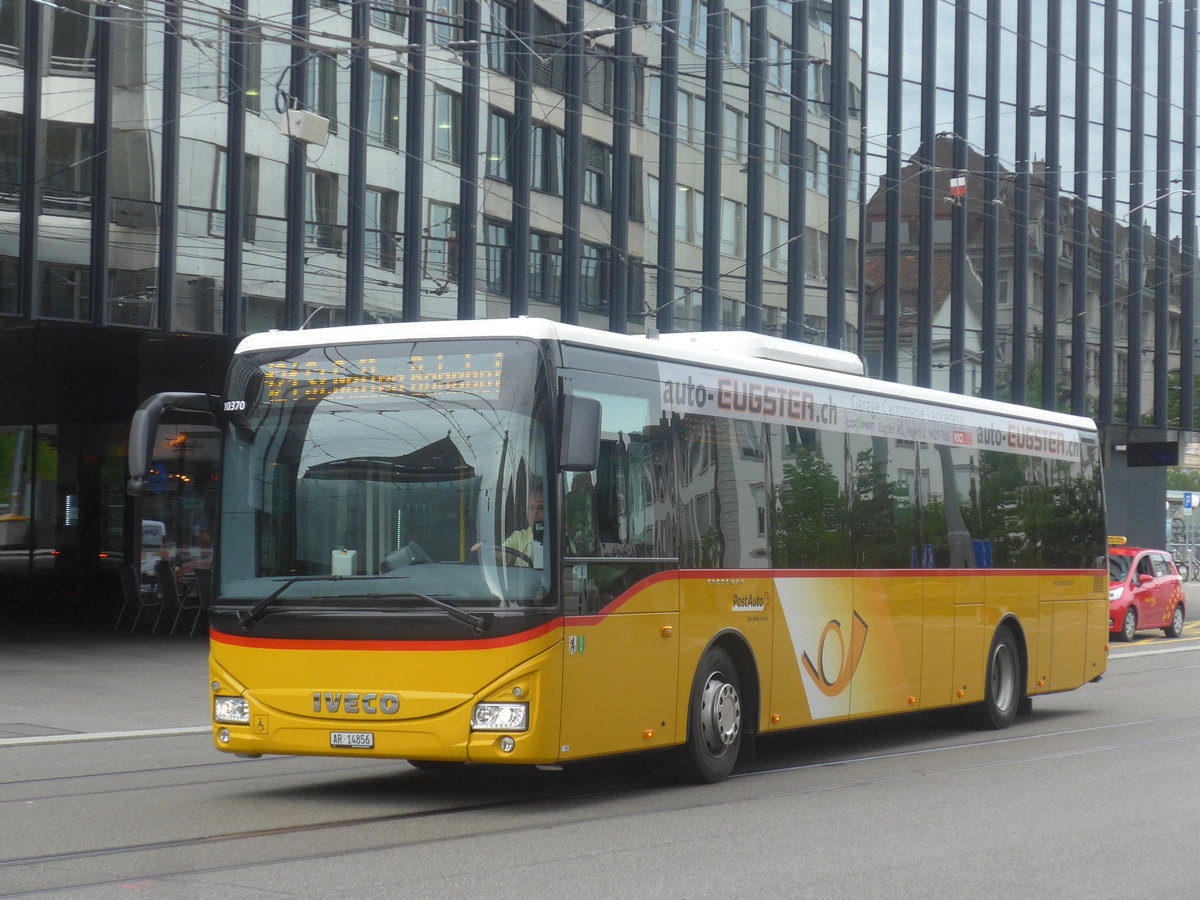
[(1093, 795)]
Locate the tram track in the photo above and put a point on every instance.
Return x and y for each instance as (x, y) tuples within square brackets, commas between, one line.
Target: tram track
[(553, 813)]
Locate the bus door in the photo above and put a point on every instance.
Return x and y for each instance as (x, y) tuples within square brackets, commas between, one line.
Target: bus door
[(621, 622)]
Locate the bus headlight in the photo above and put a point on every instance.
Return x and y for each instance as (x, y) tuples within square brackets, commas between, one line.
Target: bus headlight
[(235, 710), (500, 717)]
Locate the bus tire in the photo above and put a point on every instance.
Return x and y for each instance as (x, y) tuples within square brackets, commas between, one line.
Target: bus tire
[(714, 718), (1002, 694)]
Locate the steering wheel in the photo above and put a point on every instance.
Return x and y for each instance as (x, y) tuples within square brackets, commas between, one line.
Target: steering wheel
[(410, 554), (517, 555)]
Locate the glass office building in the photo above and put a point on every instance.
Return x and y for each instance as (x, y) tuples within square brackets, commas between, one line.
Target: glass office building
[(997, 198)]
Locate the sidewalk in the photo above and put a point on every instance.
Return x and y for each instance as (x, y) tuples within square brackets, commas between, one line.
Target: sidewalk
[(75, 680)]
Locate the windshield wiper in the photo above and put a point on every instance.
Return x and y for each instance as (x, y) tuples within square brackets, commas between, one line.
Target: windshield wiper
[(476, 623), (246, 618)]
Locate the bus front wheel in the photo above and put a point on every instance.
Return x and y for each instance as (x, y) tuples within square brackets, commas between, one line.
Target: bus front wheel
[(714, 718), (1002, 685)]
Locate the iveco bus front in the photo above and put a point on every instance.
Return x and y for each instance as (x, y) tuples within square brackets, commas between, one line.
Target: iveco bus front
[(365, 595)]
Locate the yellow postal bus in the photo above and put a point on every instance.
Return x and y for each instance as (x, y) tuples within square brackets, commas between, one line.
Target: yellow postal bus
[(526, 542)]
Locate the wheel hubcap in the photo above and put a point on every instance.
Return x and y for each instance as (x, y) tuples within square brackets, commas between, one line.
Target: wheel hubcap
[(1004, 677), (1130, 625), (720, 714)]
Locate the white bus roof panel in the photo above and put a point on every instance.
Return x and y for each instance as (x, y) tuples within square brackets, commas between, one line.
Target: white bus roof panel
[(733, 349)]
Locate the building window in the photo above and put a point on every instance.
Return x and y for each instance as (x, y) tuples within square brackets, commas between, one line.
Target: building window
[(12, 30), (380, 208), (853, 183), (652, 203), (548, 155), (322, 88), (733, 227), (72, 34), (499, 133), (816, 255), (386, 14), (817, 168), (593, 278), (691, 118), (598, 78), (497, 256), (321, 222), (447, 114), (549, 63), (693, 25), (737, 40), (10, 160), (67, 184), (251, 39), (775, 238), (10, 298), (441, 242), (500, 47), (779, 63), (820, 89), (637, 203), (689, 215), (216, 221), (776, 151), (545, 267), (597, 173), (383, 110), (734, 139), (66, 292), (446, 20)]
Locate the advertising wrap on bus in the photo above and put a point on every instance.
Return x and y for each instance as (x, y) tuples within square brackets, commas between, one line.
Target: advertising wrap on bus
[(519, 541)]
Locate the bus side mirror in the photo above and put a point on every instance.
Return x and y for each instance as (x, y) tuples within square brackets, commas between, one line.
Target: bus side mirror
[(579, 447), (144, 426)]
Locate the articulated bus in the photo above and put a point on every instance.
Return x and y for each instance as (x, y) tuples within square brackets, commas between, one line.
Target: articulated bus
[(520, 541)]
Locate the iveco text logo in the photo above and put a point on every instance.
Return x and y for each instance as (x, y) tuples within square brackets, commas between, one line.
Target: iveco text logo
[(351, 704)]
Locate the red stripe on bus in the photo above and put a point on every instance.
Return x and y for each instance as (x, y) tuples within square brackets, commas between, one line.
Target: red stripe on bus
[(614, 605), (909, 573)]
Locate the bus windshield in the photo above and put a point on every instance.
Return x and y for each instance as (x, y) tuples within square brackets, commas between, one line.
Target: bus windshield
[(385, 477)]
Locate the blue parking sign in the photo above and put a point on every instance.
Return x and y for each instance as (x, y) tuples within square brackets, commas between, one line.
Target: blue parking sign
[(1189, 499)]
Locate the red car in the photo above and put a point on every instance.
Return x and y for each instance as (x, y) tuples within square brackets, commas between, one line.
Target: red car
[(1144, 591)]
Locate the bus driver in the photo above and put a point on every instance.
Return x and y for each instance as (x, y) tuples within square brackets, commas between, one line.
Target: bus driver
[(524, 547)]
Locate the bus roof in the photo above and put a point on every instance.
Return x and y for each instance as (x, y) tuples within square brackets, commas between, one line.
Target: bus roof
[(735, 350)]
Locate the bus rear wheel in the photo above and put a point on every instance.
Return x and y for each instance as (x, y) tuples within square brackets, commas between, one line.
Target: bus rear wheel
[(714, 718), (1002, 694)]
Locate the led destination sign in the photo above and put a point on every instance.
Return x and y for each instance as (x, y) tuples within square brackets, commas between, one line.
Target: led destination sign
[(298, 380)]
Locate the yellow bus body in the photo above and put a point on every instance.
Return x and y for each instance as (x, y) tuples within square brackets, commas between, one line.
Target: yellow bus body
[(813, 647)]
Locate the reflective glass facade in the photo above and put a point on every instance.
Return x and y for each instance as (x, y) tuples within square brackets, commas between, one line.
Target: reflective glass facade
[(997, 198)]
